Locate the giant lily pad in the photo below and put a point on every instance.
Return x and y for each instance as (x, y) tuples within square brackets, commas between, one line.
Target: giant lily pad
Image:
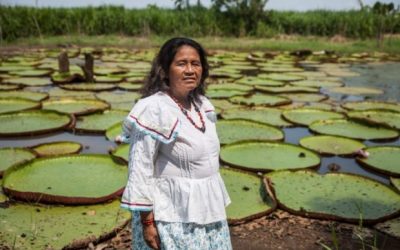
[(57, 148), (381, 117), (352, 129), (268, 156), (246, 188), (12, 156), (366, 105), (89, 86), (229, 86), (337, 196), (287, 89), (384, 159), (271, 116), (256, 81), (122, 151), (32, 122), (390, 227), (356, 91), (317, 84), (260, 100), (305, 97), (29, 81), (224, 93), (395, 182), (230, 131), (331, 145), (75, 106), (86, 179), (306, 116), (9, 105), (130, 86), (32, 72), (34, 96), (55, 227), (113, 131), (98, 123), (115, 97), (9, 86), (281, 77)]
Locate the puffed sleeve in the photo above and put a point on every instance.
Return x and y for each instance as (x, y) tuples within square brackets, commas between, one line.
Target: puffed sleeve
[(146, 126)]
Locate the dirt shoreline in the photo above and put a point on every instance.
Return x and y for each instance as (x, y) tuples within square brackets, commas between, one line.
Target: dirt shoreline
[(281, 230)]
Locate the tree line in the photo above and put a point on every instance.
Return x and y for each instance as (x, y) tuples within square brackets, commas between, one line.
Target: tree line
[(224, 18)]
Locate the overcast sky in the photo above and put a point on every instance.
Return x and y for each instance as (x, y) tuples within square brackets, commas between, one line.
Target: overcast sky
[(299, 5)]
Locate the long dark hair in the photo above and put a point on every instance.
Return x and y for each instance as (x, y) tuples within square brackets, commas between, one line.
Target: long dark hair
[(157, 80)]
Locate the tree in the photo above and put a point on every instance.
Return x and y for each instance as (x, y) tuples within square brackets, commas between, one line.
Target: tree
[(247, 13), (382, 11)]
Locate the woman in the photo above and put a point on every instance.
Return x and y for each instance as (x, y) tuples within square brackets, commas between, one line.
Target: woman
[(174, 188)]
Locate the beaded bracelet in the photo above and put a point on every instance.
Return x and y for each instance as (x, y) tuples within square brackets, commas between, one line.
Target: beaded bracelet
[(147, 222)]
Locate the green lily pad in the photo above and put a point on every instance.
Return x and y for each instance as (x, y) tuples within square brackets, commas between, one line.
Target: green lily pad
[(390, 227), (122, 151), (86, 179), (98, 123), (383, 159), (386, 118), (258, 81), (55, 227), (268, 156), (9, 86), (331, 145), (317, 84), (32, 72), (281, 77), (366, 105), (304, 116), (59, 93), (230, 131), (9, 105), (352, 129), (287, 89), (305, 97), (113, 131), (75, 106), (130, 86), (12, 156), (280, 68), (395, 182), (57, 148), (337, 196), (248, 189), (355, 91), (271, 116), (224, 93), (229, 86), (29, 81), (89, 86), (116, 97), (15, 67), (260, 100), (34, 96), (109, 79), (67, 77), (32, 122)]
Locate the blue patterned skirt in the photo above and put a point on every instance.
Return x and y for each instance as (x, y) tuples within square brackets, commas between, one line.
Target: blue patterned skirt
[(185, 236)]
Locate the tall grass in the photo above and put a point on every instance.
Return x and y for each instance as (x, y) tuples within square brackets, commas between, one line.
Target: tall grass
[(19, 22)]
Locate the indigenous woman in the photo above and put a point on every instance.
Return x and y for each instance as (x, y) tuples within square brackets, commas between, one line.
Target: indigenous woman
[(174, 190)]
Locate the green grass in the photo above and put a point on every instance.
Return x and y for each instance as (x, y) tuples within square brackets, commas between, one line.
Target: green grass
[(286, 43)]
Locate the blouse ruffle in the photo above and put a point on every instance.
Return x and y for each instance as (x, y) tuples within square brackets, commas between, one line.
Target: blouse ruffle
[(172, 198)]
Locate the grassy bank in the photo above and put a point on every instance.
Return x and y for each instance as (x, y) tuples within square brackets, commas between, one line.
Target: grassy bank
[(279, 43)]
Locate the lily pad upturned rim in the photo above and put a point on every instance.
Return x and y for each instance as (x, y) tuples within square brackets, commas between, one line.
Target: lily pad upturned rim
[(28, 150), (59, 199), (324, 153), (363, 163), (327, 216), (266, 187), (263, 170), (101, 105), (32, 148), (43, 131)]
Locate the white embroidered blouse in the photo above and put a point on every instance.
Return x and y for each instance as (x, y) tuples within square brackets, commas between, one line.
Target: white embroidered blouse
[(173, 167)]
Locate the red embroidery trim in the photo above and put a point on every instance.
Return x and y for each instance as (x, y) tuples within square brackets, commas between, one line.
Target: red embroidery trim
[(137, 204), (210, 110), (155, 131)]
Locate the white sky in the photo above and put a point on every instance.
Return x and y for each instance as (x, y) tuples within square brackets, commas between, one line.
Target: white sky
[(300, 5)]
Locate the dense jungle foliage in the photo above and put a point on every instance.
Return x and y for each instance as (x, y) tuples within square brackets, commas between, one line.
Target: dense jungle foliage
[(19, 22)]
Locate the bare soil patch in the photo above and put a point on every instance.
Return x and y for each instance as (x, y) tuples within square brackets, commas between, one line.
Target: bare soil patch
[(281, 230)]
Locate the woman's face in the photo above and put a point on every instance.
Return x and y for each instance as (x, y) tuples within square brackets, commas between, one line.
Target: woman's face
[(185, 71)]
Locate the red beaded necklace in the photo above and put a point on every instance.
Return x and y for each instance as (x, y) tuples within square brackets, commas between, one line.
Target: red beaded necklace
[(184, 111)]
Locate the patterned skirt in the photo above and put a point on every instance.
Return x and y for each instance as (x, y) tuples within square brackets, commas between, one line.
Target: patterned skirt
[(185, 236)]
